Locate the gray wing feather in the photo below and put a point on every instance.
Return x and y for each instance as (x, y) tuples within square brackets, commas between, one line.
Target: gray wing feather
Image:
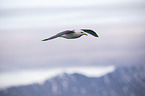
[(90, 32), (59, 34), (55, 36)]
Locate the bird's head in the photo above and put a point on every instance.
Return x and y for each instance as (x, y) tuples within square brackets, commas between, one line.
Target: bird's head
[(81, 32)]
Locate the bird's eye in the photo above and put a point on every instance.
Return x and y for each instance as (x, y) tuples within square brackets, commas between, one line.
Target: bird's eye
[(81, 32)]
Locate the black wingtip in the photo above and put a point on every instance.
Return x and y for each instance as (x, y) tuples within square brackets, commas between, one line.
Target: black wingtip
[(90, 31), (96, 35), (44, 40)]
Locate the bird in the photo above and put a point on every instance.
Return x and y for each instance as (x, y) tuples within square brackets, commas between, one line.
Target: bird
[(72, 34)]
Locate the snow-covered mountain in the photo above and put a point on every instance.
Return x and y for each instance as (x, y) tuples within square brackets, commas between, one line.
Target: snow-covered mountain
[(124, 81)]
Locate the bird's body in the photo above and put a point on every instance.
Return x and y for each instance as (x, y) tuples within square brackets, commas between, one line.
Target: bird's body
[(72, 34)]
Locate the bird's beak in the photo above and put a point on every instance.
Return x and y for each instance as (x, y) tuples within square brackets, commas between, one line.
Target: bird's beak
[(85, 34)]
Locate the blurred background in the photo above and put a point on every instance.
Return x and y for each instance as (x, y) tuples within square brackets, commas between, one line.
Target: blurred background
[(120, 25)]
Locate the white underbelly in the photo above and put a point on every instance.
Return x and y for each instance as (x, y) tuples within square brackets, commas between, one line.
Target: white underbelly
[(71, 35)]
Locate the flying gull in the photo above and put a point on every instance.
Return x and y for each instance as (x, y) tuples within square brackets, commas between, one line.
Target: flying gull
[(72, 34)]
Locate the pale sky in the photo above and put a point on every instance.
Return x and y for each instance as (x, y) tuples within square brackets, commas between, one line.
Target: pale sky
[(21, 32), (7, 4)]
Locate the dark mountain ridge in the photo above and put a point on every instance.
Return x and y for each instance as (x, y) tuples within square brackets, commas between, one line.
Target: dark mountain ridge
[(124, 81)]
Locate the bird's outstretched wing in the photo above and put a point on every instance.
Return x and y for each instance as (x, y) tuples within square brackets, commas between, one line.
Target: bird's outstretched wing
[(58, 35), (90, 32)]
